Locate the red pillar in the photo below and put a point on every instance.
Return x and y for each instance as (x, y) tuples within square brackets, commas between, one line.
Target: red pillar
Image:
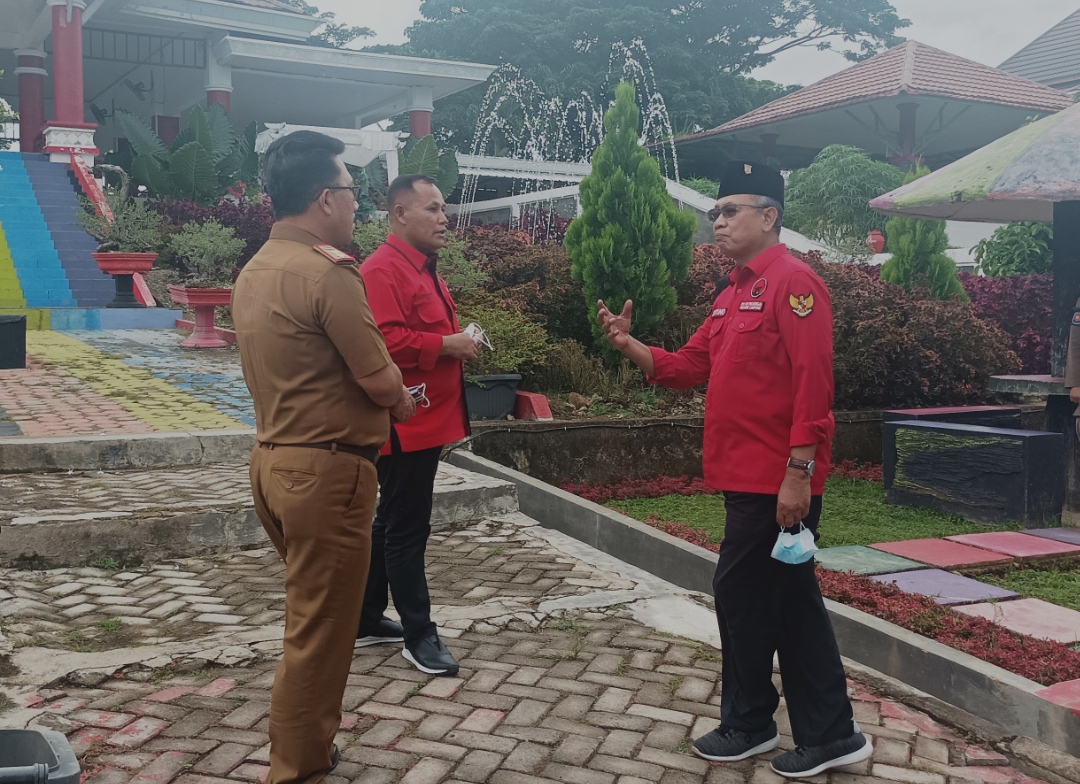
[(67, 62), (223, 97), (167, 127), (420, 123), (31, 73)]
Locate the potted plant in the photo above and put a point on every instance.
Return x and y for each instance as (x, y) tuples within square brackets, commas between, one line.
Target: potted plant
[(491, 381), (208, 253), (128, 244)]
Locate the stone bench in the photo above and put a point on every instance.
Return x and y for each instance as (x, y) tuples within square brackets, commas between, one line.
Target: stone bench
[(986, 416), (985, 474)]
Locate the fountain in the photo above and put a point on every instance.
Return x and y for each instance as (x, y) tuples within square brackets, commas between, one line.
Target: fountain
[(537, 141)]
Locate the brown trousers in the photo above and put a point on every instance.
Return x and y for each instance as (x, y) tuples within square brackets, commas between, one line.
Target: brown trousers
[(317, 507)]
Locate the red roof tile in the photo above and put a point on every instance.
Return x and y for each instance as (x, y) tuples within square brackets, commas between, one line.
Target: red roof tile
[(911, 68)]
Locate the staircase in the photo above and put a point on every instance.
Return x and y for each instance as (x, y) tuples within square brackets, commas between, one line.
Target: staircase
[(45, 257), (58, 198)]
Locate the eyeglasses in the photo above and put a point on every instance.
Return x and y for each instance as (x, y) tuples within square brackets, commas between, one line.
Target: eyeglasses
[(729, 211), (357, 190)]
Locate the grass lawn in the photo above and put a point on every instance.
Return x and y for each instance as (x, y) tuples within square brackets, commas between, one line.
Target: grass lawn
[(1061, 587), (854, 512)]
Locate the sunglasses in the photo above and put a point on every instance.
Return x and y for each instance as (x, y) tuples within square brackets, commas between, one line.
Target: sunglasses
[(729, 211)]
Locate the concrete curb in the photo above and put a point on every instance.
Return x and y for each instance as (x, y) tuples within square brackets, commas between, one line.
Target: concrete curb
[(959, 679), (160, 534), (115, 453)]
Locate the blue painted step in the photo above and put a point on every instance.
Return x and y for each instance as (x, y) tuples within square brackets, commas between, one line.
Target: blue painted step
[(41, 274), (58, 200)]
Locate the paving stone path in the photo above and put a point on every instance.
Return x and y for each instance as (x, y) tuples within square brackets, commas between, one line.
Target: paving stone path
[(570, 673)]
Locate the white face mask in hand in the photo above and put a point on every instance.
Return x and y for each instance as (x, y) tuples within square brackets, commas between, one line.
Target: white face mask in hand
[(795, 548)]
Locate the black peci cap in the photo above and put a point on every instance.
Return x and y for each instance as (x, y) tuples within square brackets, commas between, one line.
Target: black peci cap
[(756, 179)]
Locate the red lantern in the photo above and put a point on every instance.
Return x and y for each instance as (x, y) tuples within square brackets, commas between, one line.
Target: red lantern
[(875, 241)]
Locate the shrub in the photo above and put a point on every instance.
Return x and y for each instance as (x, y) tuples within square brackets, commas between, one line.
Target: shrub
[(631, 241), (569, 367), (517, 342), (1019, 248), (707, 270), (918, 254), (209, 252), (533, 278), (543, 224), (893, 349), (250, 220), (368, 236), (133, 229), (1021, 306), (829, 200), (702, 185)]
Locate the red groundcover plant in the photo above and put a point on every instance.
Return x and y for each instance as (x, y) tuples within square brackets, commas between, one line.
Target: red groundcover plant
[(1042, 661)]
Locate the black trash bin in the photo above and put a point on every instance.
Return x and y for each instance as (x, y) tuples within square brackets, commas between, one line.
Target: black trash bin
[(37, 757), (12, 342)]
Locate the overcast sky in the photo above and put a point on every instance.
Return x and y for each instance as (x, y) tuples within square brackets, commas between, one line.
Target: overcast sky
[(987, 31)]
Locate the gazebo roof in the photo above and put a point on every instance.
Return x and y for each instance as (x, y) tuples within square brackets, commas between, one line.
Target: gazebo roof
[(272, 5), (1053, 57), (850, 107), (912, 69)]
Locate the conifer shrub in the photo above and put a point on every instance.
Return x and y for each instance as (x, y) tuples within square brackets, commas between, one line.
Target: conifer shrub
[(631, 240)]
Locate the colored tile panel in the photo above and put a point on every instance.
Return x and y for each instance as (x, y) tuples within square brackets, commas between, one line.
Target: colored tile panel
[(1066, 693), (945, 587), (862, 560), (942, 553), (1032, 617), (1016, 544), (1066, 535), (137, 390)]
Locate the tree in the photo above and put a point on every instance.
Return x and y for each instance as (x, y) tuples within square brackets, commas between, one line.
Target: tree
[(205, 159), (332, 34), (918, 254), (700, 49), (631, 241), (1018, 248), (829, 199), (6, 116)]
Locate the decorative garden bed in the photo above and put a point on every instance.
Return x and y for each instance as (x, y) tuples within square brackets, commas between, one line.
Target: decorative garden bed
[(857, 514)]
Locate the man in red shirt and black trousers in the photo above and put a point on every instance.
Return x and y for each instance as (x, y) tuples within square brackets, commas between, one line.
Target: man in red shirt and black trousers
[(418, 319), (766, 350)]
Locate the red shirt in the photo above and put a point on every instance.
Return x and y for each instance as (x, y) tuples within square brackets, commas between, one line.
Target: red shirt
[(414, 309), (766, 350)]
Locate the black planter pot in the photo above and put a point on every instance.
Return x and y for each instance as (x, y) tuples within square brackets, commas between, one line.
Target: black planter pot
[(491, 397)]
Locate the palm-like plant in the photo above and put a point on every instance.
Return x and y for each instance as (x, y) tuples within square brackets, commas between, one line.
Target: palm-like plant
[(206, 157)]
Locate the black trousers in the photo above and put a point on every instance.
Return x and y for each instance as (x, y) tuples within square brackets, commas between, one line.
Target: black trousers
[(764, 607), (399, 540)]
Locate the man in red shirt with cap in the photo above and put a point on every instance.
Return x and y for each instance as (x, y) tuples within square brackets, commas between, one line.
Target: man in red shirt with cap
[(418, 319), (766, 351)]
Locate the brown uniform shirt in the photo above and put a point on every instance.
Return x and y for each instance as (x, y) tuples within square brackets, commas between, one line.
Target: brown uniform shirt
[(306, 333)]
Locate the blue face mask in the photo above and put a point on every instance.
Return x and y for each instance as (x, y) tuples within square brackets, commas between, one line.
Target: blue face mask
[(795, 548)]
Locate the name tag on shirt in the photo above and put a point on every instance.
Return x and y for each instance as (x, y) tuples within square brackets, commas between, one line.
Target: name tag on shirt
[(719, 313), (755, 305)]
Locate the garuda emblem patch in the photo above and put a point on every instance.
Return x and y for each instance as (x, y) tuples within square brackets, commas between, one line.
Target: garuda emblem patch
[(802, 305)]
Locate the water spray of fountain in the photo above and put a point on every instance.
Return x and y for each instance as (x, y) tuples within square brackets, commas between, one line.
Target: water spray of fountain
[(519, 121)]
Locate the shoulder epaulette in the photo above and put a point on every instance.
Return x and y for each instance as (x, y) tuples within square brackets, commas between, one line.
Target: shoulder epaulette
[(335, 255)]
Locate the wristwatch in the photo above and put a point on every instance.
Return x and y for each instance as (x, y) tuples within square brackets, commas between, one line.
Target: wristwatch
[(803, 465)]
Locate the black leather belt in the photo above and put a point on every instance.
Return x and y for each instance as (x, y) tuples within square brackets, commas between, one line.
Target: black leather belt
[(369, 453)]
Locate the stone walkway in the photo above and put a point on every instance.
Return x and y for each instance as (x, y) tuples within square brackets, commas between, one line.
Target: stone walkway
[(575, 668)]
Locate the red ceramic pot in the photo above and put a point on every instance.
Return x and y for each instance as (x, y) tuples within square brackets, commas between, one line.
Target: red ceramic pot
[(122, 266)]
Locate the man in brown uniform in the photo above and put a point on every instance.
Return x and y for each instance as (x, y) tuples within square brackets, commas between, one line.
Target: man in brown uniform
[(325, 391)]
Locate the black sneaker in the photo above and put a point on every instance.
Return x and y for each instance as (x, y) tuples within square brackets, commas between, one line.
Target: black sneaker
[(335, 757), (430, 656), (806, 761), (727, 745), (385, 631)]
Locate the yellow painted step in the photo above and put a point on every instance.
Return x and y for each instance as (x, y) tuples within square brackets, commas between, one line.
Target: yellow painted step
[(10, 289)]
